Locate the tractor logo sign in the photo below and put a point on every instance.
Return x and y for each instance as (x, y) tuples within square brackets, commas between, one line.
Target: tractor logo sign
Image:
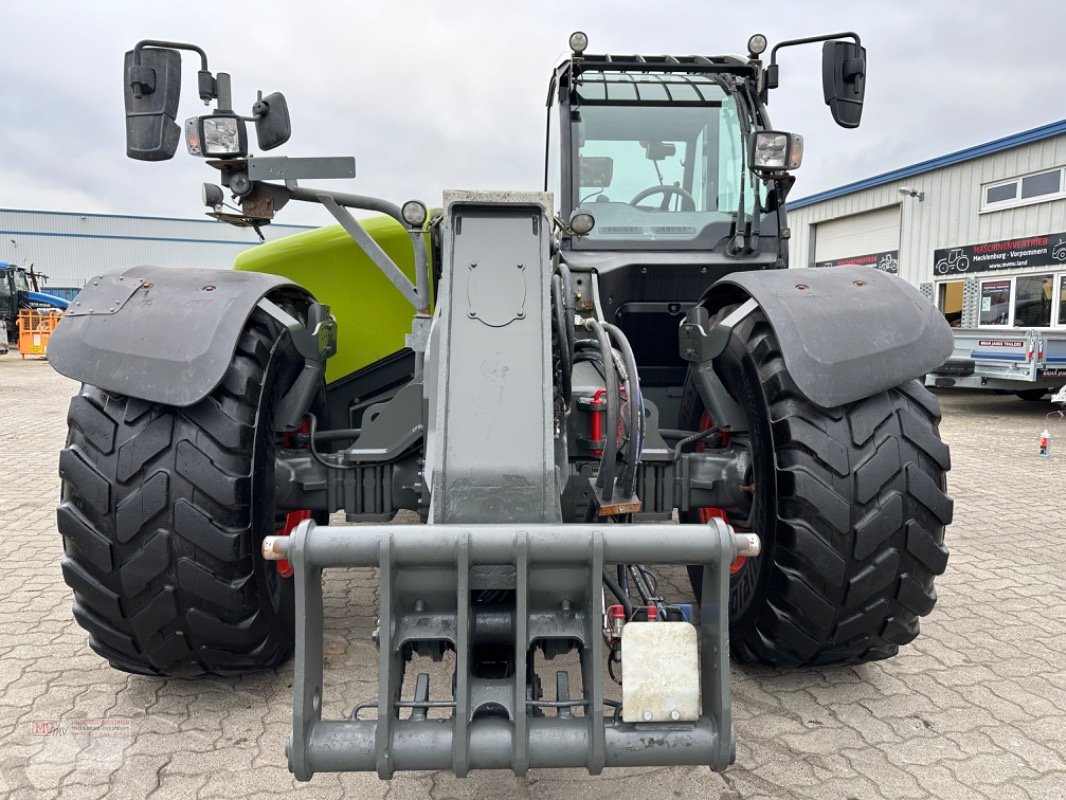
[(954, 261), (887, 261)]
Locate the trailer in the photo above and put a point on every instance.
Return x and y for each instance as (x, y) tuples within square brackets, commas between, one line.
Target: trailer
[(1030, 362)]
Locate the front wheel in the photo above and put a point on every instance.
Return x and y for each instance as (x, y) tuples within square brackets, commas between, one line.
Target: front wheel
[(162, 513), (850, 503)]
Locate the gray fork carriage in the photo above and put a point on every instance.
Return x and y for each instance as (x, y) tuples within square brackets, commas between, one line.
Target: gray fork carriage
[(427, 574)]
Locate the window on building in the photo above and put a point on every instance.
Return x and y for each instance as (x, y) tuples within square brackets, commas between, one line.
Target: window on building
[(1062, 300), (995, 302), (1002, 193), (1032, 301), (1023, 190), (949, 301), (1042, 184)]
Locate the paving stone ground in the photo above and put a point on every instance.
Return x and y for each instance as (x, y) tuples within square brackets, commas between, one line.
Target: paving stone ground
[(975, 708)]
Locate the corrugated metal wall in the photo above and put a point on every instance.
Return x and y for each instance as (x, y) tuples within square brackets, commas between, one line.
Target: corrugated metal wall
[(950, 214), (70, 248)]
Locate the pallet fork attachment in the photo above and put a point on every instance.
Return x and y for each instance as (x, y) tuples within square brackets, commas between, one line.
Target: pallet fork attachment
[(427, 575)]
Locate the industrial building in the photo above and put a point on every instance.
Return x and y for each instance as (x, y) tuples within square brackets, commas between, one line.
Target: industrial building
[(69, 248), (982, 231)]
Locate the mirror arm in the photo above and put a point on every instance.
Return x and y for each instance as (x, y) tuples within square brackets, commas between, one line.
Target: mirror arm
[(809, 39), (205, 82), (772, 68), (169, 46)]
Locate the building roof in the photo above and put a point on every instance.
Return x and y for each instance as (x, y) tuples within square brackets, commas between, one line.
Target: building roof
[(959, 156), (104, 215)]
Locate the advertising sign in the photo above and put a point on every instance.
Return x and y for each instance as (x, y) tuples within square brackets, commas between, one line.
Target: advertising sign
[(1045, 250), (888, 261)]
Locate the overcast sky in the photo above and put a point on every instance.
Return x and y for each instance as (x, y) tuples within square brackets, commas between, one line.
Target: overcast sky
[(436, 95)]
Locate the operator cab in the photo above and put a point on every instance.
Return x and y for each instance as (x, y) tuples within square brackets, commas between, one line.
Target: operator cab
[(671, 179), (658, 160)]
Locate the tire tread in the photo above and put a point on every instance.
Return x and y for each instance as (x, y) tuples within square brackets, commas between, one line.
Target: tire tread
[(861, 510), (157, 526)]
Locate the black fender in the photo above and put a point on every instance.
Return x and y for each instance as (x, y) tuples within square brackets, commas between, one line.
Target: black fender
[(161, 334), (845, 332)]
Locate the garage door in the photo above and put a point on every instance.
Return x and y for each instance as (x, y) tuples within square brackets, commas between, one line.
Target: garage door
[(857, 235)]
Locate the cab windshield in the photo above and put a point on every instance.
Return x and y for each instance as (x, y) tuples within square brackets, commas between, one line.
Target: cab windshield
[(659, 159), (22, 283)]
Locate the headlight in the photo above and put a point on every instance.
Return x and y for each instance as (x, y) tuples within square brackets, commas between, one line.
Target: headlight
[(217, 136), (582, 222), (222, 136), (776, 150)]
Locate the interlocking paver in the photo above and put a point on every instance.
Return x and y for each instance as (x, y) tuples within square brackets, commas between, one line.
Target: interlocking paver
[(975, 708)]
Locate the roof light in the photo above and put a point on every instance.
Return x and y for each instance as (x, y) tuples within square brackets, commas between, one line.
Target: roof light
[(579, 40), (757, 45)]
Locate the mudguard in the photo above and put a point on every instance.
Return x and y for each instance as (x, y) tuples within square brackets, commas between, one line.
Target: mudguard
[(160, 334), (845, 333)]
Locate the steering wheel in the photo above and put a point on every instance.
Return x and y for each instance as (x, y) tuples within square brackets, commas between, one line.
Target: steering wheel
[(668, 191)]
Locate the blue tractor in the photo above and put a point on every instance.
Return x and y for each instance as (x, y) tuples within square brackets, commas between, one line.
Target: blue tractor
[(18, 290)]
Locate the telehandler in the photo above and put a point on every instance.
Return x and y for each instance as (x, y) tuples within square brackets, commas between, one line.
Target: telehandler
[(561, 391)]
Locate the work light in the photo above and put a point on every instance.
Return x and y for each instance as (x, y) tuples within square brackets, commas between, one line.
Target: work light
[(216, 136), (776, 150), (579, 40), (413, 213)]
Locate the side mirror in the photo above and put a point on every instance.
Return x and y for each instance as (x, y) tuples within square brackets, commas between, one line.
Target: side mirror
[(272, 125), (152, 88), (844, 81)]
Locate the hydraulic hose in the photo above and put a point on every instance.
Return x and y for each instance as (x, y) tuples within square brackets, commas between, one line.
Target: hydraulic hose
[(618, 592), (568, 303), (566, 354), (606, 475), (636, 409)]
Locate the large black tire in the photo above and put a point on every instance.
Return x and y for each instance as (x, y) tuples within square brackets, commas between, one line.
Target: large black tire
[(850, 503), (162, 513)]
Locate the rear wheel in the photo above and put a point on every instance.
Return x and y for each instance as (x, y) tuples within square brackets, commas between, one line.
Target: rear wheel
[(162, 513), (850, 503)]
